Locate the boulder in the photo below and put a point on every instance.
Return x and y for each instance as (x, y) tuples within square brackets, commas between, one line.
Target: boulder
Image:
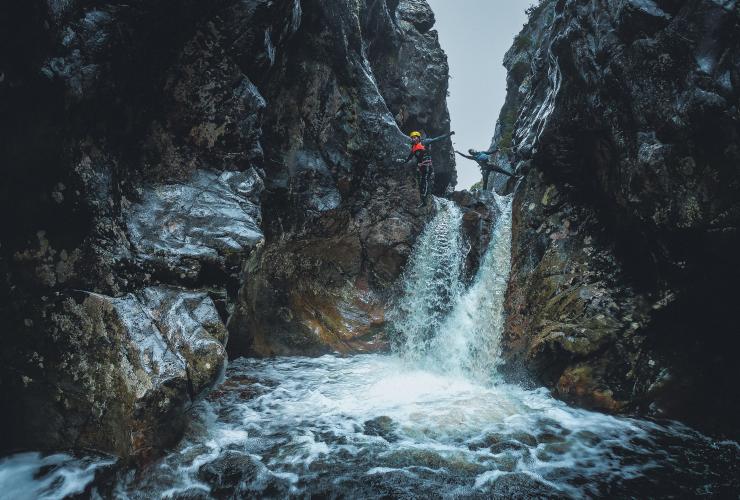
[(117, 374)]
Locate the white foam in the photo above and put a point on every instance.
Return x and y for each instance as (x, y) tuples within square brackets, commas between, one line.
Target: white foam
[(434, 413), (22, 476), (488, 477)]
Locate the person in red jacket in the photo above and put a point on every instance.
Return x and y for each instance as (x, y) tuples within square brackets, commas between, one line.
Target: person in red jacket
[(421, 149)]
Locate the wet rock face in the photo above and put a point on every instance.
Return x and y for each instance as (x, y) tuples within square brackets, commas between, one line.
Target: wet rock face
[(624, 117), (122, 370), (149, 149), (182, 228), (340, 214), (125, 239)]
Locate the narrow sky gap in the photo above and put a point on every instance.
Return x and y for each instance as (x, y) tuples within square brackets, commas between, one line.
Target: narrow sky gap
[(476, 34)]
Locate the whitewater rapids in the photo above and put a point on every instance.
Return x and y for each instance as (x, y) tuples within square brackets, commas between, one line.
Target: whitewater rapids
[(430, 420)]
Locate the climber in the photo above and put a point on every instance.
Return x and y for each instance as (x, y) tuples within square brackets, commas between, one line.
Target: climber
[(483, 159), (422, 150)]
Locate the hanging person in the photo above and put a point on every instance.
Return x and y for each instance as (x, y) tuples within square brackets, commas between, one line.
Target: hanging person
[(484, 161), (421, 150)]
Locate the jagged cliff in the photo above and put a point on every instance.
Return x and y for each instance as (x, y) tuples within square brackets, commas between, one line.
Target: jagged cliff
[(623, 117), (149, 147), (340, 216)]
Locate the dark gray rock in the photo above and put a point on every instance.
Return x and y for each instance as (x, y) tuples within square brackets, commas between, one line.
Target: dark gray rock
[(520, 486), (411, 72), (383, 427), (202, 220), (137, 140), (479, 215), (339, 213), (118, 373), (623, 116), (189, 323), (231, 473)]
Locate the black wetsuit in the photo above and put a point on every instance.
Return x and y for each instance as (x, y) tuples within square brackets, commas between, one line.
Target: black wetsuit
[(423, 154)]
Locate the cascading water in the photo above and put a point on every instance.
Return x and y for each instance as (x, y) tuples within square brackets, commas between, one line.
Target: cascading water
[(469, 340), (432, 283), (425, 422), (442, 325)]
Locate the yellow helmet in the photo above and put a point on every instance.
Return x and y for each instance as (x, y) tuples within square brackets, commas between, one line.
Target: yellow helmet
[(415, 134)]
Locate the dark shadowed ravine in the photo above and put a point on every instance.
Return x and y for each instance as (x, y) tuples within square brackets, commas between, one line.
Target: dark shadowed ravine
[(428, 420), (219, 279)]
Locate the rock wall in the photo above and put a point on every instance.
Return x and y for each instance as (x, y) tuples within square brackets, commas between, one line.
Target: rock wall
[(623, 117), (138, 139), (131, 195), (340, 214)]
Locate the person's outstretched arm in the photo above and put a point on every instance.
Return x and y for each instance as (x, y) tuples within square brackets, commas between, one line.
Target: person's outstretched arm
[(491, 151), (435, 139), (408, 158), (464, 155)]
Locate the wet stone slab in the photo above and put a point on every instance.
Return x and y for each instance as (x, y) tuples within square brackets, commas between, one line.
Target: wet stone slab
[(205, 220), (177, 333)]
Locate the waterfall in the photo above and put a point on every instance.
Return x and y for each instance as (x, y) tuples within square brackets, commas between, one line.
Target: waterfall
[(443, 325), (432, 283), (470, 338)]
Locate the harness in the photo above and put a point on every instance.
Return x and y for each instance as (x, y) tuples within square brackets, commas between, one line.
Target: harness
[(427, 163), (423, 156)]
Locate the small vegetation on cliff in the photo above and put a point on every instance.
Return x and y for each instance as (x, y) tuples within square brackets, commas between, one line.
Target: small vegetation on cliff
[(508, 119), (522, 42)]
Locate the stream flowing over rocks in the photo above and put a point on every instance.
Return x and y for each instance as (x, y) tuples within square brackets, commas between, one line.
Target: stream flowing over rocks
[(431, 419), (218, 281)]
